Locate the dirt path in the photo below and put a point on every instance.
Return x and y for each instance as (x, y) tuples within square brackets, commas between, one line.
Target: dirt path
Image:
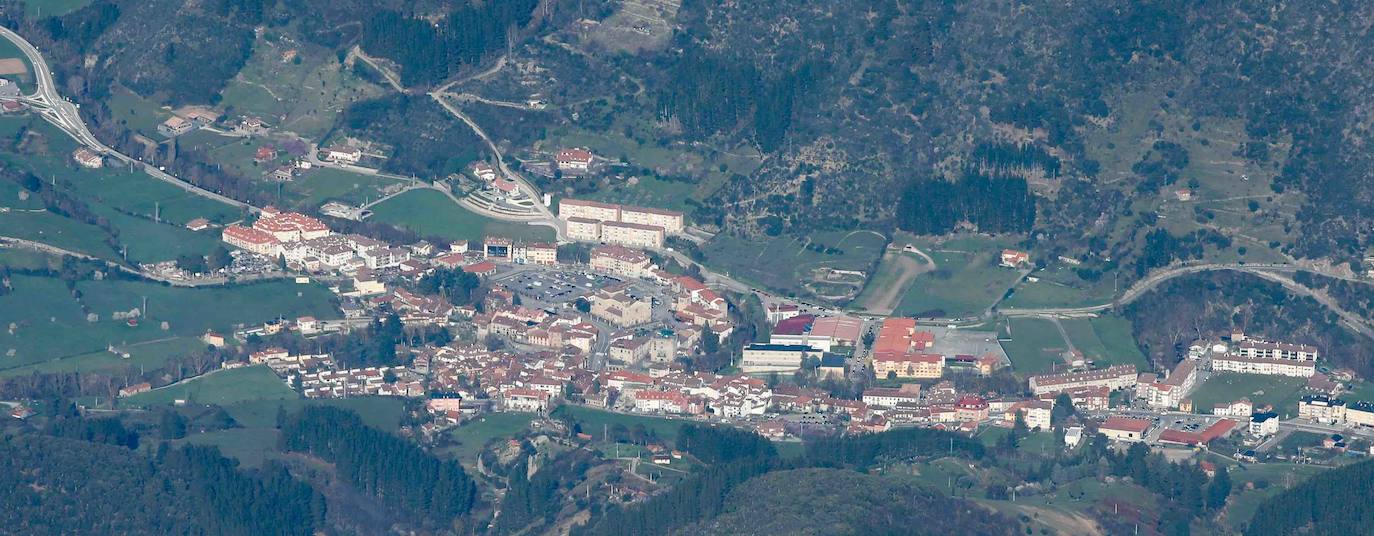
[(885, 300)]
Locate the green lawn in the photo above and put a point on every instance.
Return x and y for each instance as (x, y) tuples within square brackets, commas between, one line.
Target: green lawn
[(26, 81), (431, 213), (786, 264), (52, 8), (152, 354), (649, 192), (1058, 286), (1281, 391), (1105, 340), (250, 446), (1276, 477), (593, 420), (50, 324), (474, 434), (966, 280), (137, 113), (28, 260), (221, 388), (319, 185), (1035, 346), (140, 194), (54, 230)]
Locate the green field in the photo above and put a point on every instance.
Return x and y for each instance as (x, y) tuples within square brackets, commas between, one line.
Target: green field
[(610, 143), (50, 324), (1280, 391), (966, 280), (1059, 286), (28, 260), (250, 446), (221, 388), (54, 230), (787, 265), (52, 8), (1035, 346), (319, 185), (151, 354), (431, 213), (302, 95), (594, 421), (649, 192), (1243, 503), (472, 435), (1105, 340), (26, 80), (137, 113)]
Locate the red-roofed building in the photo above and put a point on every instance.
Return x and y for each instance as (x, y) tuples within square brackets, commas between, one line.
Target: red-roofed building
[(1217, 430), (481, 269), (1012, 258), (574, 159), (250, 239), (451, 261)]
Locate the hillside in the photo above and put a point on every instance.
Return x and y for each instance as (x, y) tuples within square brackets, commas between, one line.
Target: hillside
[(834, 501)]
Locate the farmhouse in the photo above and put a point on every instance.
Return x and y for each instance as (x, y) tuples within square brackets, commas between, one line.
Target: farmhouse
[(88, 158), (1014, 259), (575, 160)]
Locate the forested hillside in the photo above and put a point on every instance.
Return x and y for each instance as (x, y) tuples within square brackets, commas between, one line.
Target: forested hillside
[(1335, 502)]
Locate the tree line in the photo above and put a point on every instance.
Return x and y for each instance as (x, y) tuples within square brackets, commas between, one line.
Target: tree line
[(992, 204), (386, 466), (428, 52)]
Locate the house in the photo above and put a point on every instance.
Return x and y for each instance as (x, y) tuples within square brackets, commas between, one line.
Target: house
[(1014, 259), (1073, 435), (1239, 408), (211, 338), (777, 312), (343, 154), (282, 174), (1119, 428), (575, 160), (481, 269), (525, 400), (88, 158), (175, 126), (265, 153), (198, 224), (484, 171), (125, 392)]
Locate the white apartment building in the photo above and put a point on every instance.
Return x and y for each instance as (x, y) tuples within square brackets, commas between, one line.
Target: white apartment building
[(632, 234), (1114, 377), (1263, 365), (669, 220), (761, 358), (622, 261)]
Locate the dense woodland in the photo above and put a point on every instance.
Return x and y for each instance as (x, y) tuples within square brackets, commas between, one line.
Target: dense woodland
[(388, 467), (1334, 502)]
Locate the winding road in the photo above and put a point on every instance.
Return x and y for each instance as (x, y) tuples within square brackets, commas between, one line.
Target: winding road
[(63, 114)]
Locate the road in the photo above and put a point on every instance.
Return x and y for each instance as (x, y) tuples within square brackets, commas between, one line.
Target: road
[(1270, 272), (64, 115)]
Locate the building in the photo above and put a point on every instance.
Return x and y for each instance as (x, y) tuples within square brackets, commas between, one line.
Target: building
[(1217, 430), (885, 397), (584, 229), (1322, 409), (1264, 424), (290, 226), (1113, 377), (1255, 348), (777, 312), (908, 365), (1170, 392), (622, 261), (971, 409), (88, 158), (629, 350), (498, 248), (1073, 435), (615, 306), (1359, 414), (575, 160), (541, 253), (898, 351), (669, 220), (525, 400), (125, 392), (632, 234), (198, 224), (832, 366), (591, 210), (1239, 408), (175, 126), (1124, 428), (1037, 414), (1014, 259), (760, 358), (484, 171), (343, 154), (1263, 365), (250, 239)]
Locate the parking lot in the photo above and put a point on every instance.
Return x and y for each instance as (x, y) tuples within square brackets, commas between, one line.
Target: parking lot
[(553, 287)]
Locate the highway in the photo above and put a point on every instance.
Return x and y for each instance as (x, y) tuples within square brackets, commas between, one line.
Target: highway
[(63, 114)]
